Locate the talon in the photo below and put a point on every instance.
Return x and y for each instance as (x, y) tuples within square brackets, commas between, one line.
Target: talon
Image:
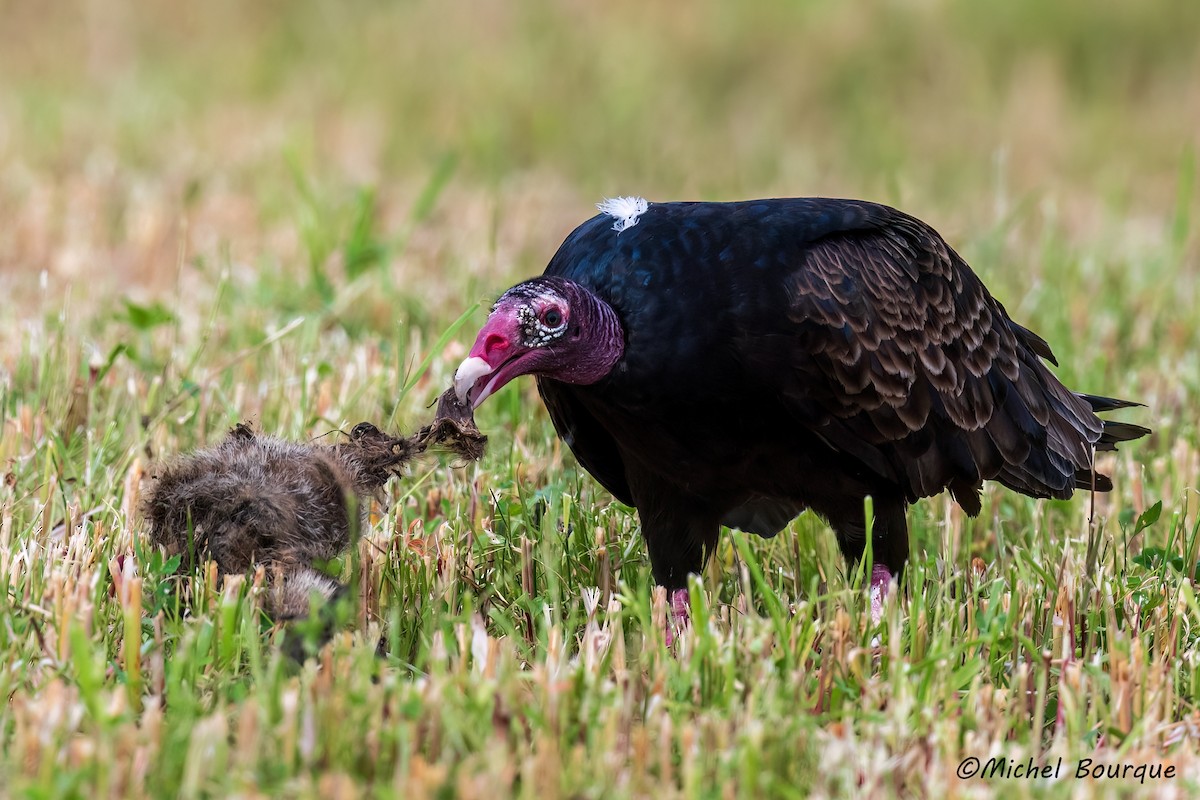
[(679, 617), (881, 578)]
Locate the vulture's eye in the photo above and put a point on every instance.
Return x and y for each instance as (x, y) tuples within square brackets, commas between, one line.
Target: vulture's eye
[(552, 317)]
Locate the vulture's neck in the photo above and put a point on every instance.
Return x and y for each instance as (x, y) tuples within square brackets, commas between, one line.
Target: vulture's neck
[(602, 340)]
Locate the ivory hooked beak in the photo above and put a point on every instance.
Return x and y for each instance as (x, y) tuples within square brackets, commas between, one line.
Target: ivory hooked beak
[(469, 371)]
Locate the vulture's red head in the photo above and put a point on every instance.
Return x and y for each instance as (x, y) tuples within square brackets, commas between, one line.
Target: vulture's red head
[(549, 327)]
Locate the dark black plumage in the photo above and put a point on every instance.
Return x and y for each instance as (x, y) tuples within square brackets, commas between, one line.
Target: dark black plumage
[(802, 353)]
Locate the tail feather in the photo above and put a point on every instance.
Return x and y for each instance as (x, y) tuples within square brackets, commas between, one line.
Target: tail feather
[(1115, 432), (1110, 436), (1088, 480), (1100, 404)]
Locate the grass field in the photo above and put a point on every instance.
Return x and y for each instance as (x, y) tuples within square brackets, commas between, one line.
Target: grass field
[(295, 214)]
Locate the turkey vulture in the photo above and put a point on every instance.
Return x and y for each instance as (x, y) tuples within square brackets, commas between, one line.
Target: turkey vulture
[(736, 363)]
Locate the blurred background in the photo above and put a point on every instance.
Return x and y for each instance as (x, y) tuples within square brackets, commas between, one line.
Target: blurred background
[(121, 120), (389, 164)]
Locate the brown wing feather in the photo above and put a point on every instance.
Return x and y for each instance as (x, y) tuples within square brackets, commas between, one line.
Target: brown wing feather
[(924, 377)]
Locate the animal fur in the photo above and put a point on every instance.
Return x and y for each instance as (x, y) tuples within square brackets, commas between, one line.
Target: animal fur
[(259, 500)]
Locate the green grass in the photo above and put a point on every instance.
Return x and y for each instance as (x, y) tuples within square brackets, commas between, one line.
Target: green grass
[(279, 214)]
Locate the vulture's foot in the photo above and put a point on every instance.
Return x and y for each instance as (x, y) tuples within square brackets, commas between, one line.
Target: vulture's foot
[(679, 617), (881, 579)]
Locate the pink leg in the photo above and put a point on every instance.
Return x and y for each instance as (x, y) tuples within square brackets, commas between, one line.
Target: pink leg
[(881, 577), (679, 615)]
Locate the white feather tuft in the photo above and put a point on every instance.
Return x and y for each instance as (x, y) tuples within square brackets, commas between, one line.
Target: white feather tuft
[(625, 210)]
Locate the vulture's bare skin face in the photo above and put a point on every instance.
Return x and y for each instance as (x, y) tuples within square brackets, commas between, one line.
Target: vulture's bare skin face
[(550, 328)]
